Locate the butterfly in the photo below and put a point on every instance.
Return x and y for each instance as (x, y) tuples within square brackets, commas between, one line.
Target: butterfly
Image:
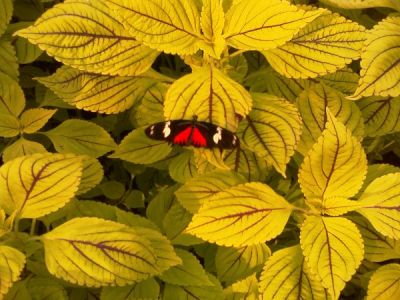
[(193, 133)]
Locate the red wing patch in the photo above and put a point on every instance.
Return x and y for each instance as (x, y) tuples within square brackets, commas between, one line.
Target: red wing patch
[(183, 137), (198, 139)]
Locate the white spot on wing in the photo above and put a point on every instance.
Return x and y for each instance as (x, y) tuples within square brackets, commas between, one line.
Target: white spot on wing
[(167, 130), (217, 136)]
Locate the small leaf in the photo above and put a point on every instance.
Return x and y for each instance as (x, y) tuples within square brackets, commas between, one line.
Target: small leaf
[(210, 95), (147, 289), (81, 137), (384, 283), (46, 288), (381, 205), (336, 206), (333, 249), (22, 147), (92, 174), (101, 254), (8, 59), (11, 95), (9, 125), (6, 11), (244, 289), (335, 166), (286, 276), (34, 119), (263, 25), (12, 262), (244, 215)]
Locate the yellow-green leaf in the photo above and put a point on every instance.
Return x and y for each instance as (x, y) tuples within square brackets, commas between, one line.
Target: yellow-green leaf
[(360, 4), (8, 59), (210, 95), (87, 35), (271, 130), (333, 249), (34, 119), (22, 147), (380, 67), (286, 276), (381, 116), (183, 167), (11, 95), (39, 184), (335, 166), (46, 288), (104, 253), (312, 104), (323, 46), (6, 10), (381, 205), (175, 221), (9, 125), (344, 80), (263, 25), (384, 283), (377, 170), (92, 174), (336, 206), (244, 215), (148, 289), (81, 137), (137, 148), (172, 26), (12, 262), (245, 289)]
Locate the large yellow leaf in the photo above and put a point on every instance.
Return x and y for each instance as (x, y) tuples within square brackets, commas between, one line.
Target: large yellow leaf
[(359, 4), (384, 283), (381, 205), (172, 26), (8, 59), (104, 253), (11, 95), (247, 214), (286, 276), (22, 147), (210, 95), (312, 104), (335, 166), (88, 36), (380, 66), (6, 10), (35, 118), (271, 130), (263, 25), (333, 249), (323, 46), (39, 184), (11, 264)]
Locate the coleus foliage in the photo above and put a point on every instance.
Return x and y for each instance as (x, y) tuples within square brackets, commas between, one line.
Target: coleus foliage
[(273, 72)]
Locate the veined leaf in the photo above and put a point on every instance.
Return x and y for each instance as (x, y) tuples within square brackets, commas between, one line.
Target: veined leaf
[(92, 174), (380, 115), (244, 289), (46, 288), (210, 95), (39, 184), (34, 119), (333, 249), (237, 263), (384, 283), (8, 59), (172, 26), (9, 125), (325, 45), (89, 36), (11, 95), (183, 167), (344, 80), (12, 262), (197, 190), (312, 104), (22, 147), (360, 4), (160, 204), (286, 276), (81, 137), (105, 253), (271, 130), (380, 67), (377, 170), (175, 221), (335, 166), (381, 205), (336, 206), (137, 148), (263, 25), (6, 10), (244, 215), (148, 289)]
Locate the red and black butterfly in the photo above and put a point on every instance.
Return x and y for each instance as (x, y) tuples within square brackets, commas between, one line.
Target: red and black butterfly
[(193, 133)]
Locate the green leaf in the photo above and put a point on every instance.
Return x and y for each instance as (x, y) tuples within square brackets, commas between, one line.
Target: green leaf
[(9, 125), (112, 189), (18, 290), (46, 288), (175, 221), (160, 204), (11, 95), (12, 262), (384, 283), (92, 174), (81, 137), (34, 119), (356, 4), (35, 185), (147, 289), (244, 289), (8, 59), (344, 80), (22, 147), (183, 167), (6, 11)]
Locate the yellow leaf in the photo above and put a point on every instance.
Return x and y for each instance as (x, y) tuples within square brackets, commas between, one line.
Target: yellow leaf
[(172, 26), (104, 253), (148, 289), (312, 104), (381, 205), (333, 249), (22, 147), (9, 125), (375, 171), (360, 4), (39, 184), (381, 116), (87, 35), (335, 166), (244, 215), (336, 206), (34, 119), (245, 289), (6, 10), (271, 130), (11, 95), (286, 276), (344, 80), (323, 46), (384, 283), (8, 59), (210, 95), (380, 68), (92, 174), (263, 25), (12, 262)]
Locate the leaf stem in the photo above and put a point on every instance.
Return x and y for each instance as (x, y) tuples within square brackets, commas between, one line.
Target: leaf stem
[(33, 227)]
